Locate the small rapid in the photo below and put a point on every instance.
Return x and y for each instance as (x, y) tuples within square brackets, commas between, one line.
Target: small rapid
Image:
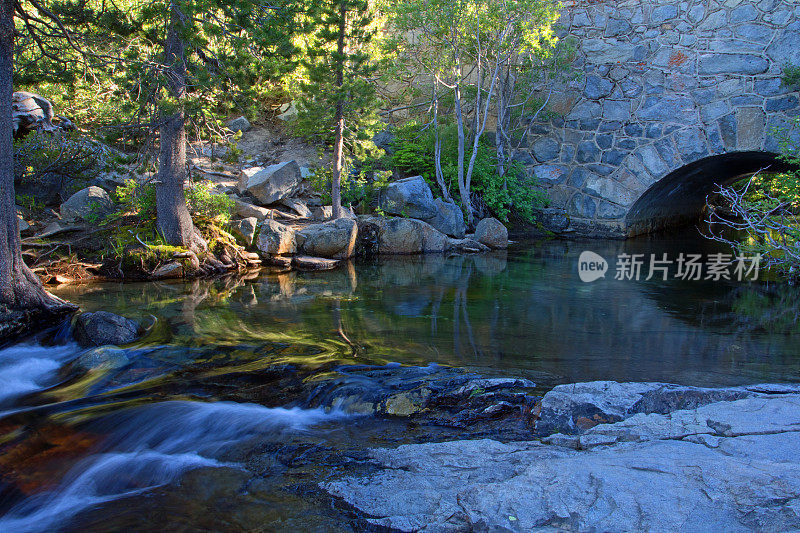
[(152, 446), (27, 368)]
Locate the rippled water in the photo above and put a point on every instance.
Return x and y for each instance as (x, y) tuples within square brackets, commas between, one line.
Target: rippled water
[(194, 427)]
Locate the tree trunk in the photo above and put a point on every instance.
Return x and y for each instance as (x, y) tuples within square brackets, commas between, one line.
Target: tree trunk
[(23, 301), (463, 190), (338, 149), (437, 148), (173, 218)]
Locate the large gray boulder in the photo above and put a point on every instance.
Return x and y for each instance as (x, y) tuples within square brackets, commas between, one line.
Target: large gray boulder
[(273, 183), (449, 219), (275, 238), (724, 466), (412, 198), (335, 239), (88, 201), (399, 236), (492, 233), (409, 197), (101, 328)]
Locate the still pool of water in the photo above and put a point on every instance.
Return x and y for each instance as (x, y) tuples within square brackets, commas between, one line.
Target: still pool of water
[(177, 430), (521, 312)]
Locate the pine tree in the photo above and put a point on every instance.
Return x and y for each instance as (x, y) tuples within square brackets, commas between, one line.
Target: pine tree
[(23, 300), (342, 58)]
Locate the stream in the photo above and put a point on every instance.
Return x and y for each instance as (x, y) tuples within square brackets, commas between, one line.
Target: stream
[(215, 419)]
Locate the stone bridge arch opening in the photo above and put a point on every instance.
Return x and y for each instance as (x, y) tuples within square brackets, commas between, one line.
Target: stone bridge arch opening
[(679, 198)]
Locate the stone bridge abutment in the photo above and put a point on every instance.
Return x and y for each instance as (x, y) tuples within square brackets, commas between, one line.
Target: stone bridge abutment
[(676, 97)]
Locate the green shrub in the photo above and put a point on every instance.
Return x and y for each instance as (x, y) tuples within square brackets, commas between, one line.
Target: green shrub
[(514, 193), (359, 185), (140, 199), (45, 157), (206, 204)]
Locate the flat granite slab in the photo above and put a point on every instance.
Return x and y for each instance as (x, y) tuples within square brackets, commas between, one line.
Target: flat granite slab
[(727, 465)]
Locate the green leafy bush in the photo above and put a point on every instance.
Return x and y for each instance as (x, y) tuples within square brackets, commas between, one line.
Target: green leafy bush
[(358, 187), (515, 193), (56, 159), (140, 199)]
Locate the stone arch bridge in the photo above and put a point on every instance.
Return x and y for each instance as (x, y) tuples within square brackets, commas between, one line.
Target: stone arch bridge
[(676, 96)]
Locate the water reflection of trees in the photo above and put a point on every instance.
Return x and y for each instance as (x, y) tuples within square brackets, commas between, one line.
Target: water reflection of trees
[(524, 310)]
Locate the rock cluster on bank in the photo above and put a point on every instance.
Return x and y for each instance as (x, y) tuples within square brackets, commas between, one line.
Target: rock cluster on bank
[(279, 217)]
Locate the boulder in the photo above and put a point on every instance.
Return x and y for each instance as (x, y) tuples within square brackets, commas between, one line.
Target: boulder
[(239, 124), (384, 139), (171, 270), (29, 112), (449, 219), (467, 246), (288, 112), (412, 198), (407, 236), (248, 210), (101, 328), (23, 226), (273, 183), (409, 197), (492, 233), (298, 206), (335, 239), (245, 229), (86, 202), (305, 262), (275, 238)]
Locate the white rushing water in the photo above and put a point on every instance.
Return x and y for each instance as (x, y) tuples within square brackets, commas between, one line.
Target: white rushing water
[(152, 446), (26, 368)]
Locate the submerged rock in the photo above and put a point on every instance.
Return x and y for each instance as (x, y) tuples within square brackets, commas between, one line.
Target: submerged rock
[(101, 328), (304, 262), (102, 358)]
